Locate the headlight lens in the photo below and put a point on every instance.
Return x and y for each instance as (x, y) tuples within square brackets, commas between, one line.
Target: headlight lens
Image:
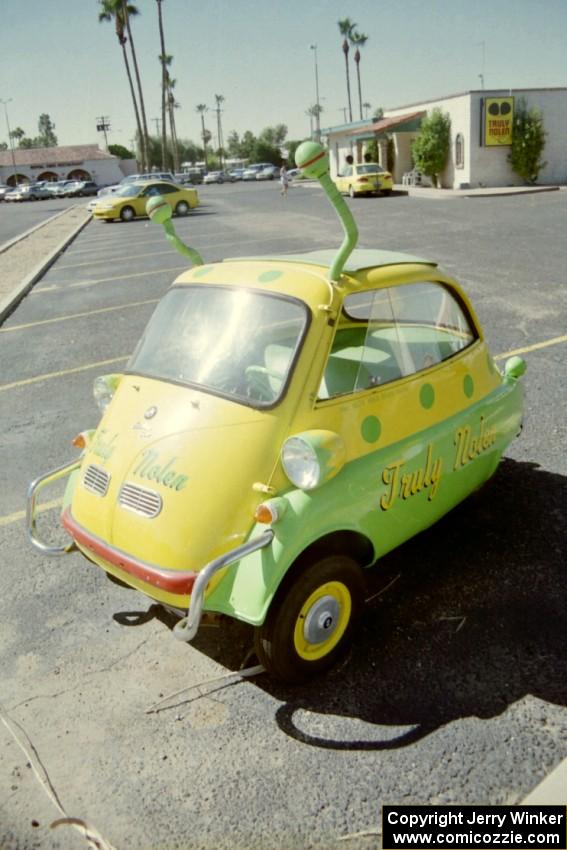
[(104, 388), (312, 458)]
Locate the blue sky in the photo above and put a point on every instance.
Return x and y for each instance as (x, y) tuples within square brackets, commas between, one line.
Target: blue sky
[(57, 58)]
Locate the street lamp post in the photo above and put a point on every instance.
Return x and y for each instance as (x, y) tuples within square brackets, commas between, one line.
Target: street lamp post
[(10, 139), (313, 47)]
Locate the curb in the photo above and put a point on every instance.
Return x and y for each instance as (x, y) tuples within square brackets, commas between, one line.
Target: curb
[(552, 791), (11, 301), (29, 232)]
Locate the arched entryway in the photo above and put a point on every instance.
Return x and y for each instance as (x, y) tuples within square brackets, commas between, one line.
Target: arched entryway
[(17, 179), (79, 174), (50, 176)]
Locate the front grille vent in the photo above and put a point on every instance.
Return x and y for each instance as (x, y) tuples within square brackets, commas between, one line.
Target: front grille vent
[(96, 479), (141, 501)]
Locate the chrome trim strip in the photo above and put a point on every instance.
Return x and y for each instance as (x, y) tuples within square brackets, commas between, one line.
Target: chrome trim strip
[(187, 628)]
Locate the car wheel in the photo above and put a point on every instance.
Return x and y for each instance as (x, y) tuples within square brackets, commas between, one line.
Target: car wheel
[(311, 620), (351, 191), (127, 213), (182, 208), (386, 191)]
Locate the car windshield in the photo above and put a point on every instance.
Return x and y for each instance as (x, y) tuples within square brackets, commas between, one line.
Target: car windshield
[(236, 343), (128, 191), (369, 169)]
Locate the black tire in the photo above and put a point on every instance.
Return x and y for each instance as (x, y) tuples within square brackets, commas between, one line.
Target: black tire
[(311, 620), (127, 213), (386, 191), (182, 208)]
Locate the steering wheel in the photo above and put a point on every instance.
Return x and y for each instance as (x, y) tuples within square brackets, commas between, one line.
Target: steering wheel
[(258, 383)]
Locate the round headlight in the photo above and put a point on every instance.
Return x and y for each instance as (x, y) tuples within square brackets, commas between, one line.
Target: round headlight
[(104, 388), (312, 458)]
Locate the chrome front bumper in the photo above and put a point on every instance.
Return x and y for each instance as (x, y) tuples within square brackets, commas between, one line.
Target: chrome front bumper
[(185, 629)]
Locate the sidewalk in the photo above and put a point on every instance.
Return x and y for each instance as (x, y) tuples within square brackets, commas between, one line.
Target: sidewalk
[(493, 192), (25, 259)]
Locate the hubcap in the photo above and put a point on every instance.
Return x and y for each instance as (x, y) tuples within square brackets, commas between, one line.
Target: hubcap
[(321, 620)]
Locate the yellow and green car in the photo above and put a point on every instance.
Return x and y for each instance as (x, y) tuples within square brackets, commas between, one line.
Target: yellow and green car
[(283, 423)]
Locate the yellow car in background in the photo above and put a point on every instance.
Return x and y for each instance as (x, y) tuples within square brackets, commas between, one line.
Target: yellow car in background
[(364, 178), (131, 199)]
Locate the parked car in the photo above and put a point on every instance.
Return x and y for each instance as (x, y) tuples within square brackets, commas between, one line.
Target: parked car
[(81, 188), (3, 192), (157, 175), (27, 192), (236, 174), (130, 200), (214, 177), (251, 171), (364, 178), (58, 188), (283, 422), (268, 173)]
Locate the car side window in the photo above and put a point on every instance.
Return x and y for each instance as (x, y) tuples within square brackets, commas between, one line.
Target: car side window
[(388, 334)]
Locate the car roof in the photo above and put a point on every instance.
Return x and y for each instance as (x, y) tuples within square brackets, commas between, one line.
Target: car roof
[(360, 259)]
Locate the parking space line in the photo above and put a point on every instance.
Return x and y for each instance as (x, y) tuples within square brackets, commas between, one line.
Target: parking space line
[(60, 374), (18, 515), (555, 341), (77, 315), (83, 283)]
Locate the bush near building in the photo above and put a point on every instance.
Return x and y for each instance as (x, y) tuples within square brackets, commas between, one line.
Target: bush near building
[(528, 142), (431, 148)]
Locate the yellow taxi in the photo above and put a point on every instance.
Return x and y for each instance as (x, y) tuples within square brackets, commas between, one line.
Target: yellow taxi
[(130, 201), (364, 178)]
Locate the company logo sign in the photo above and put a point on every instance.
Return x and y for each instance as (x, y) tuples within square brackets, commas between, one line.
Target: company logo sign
[(498, 121)]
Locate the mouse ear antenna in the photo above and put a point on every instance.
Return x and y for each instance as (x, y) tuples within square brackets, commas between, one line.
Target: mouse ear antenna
[(159, 211), (313, 160)]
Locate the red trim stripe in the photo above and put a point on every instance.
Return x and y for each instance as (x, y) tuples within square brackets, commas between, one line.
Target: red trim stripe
[(315, 159), (173, 581)]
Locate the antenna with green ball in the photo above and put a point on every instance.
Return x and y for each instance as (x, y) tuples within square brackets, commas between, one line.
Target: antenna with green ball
[(313, 160), (159, 211)]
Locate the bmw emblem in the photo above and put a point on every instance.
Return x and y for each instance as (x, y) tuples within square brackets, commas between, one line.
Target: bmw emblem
[(150, 412)]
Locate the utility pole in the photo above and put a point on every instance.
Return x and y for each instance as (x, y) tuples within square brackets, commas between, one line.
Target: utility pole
[(10, 139), (102, 125), (157, 123), (313, 47)]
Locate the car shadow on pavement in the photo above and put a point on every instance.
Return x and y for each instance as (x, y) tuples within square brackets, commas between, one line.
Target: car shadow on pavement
[(473, 618), (462, 621)]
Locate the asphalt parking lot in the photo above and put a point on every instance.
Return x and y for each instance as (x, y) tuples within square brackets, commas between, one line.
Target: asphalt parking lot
[(455, 688)]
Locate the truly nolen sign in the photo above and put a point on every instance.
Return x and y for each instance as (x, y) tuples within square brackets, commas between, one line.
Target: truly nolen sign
[(498, 120)]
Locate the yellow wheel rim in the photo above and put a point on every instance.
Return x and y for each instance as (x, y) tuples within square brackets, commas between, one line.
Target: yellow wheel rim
[(322, 621)]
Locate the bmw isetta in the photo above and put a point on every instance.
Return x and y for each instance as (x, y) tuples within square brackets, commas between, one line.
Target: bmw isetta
[(283, 423)]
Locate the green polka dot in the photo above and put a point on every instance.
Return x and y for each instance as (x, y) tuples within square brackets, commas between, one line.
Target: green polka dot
[(371, 429), (267, 277), (468, 386), (202, 271), (427, 396)]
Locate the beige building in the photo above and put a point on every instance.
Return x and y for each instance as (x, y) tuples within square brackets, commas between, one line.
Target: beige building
[(78, 162), (477, 155)]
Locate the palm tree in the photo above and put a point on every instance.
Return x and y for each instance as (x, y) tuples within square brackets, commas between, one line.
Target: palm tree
[(113, 10), (172, 106), (220, 100), (162, 58), (346, 28), (367, 106), (202, 108), (358, 39), (127, 11)]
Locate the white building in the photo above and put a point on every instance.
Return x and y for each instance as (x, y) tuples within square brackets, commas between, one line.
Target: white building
[(78, 162), (480, 123)]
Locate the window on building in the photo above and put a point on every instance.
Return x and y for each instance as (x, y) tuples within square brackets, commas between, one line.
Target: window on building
[(460, 151)]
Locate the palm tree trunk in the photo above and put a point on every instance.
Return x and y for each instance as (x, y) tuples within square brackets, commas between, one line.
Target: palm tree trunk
[(348, 87), (175, 151), (359, 87), (134, 101), (163, 90), (144, 135)]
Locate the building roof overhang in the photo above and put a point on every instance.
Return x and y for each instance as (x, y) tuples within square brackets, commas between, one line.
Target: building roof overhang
[(407, 123)]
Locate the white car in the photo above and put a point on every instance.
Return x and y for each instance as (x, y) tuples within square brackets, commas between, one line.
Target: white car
[(214, 177), (271, 172), (252, 170)]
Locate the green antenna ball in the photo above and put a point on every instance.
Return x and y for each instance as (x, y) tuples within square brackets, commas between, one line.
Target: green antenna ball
[(158, 209), (313, 159)]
